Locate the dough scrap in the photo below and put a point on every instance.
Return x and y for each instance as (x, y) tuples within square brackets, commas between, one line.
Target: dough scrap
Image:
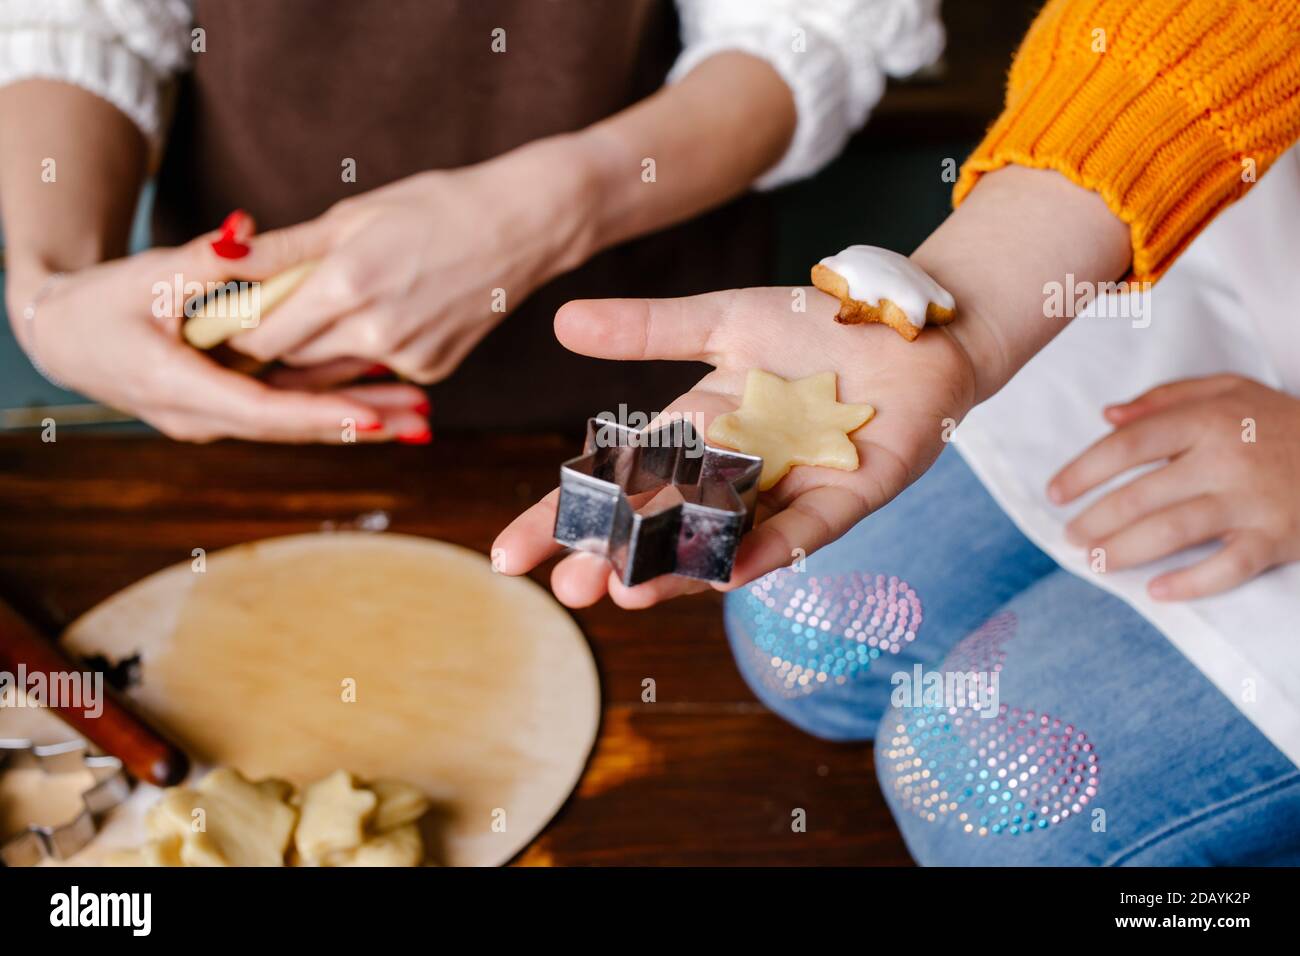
[(335, 813), (791, 423), (243, 823), (161, 852), (399, 804), (400, 846)]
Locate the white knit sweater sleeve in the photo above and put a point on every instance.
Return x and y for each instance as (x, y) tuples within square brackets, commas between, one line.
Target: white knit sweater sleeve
[(124, 51), (833, 54)]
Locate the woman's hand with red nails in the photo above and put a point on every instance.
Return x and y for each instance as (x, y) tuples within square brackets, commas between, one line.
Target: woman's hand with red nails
[(111, 332), (414, 274), (1227, 456), (919, 389)]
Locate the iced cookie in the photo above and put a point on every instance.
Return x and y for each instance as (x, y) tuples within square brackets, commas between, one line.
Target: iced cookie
[(876, 285), (791, 423)]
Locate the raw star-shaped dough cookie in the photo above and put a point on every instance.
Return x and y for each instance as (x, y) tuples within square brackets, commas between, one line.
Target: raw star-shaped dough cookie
[(791, 423)]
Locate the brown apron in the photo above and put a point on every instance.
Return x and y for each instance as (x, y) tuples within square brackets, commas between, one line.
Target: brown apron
[(286, 90)]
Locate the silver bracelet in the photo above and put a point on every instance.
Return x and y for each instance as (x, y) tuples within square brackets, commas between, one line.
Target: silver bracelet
[(29, 327)]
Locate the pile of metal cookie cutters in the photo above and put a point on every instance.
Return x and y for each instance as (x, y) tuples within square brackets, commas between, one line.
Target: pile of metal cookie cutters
[(705, 501), (111, 786)]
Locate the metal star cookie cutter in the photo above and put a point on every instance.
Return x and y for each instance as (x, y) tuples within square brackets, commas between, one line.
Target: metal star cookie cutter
[(690, 528), (59, 842)]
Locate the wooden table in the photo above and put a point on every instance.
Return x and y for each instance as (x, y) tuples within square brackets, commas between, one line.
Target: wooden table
[(704, 775)]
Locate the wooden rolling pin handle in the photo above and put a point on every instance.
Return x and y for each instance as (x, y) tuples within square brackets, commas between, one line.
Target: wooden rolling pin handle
[(118, 730)]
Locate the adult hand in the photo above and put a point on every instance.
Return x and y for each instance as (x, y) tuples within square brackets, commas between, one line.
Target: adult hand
[(413, 274), (111, 332)]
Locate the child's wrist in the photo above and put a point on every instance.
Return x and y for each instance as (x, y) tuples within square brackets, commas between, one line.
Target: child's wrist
[(979, 341), (974, 334)]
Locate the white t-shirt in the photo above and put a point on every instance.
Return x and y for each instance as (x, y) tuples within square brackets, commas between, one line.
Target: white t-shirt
[(1231, 303)]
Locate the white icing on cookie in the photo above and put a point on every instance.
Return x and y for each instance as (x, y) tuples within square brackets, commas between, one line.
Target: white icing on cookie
[(874, 274)]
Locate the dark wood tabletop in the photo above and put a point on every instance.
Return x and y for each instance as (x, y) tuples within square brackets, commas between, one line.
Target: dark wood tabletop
[(705, 775)]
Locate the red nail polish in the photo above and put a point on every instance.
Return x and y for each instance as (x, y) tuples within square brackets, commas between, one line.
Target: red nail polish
[(422, 407), (377, 371), (233, 224), (370, 426), (228, 246), (422, 437)]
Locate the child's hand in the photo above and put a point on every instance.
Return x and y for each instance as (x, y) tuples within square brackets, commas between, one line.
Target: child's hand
[(919, 389), (1230, 449)]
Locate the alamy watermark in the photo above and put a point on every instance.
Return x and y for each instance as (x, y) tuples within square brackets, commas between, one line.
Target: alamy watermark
[(241, 299), (671, 430), (1102, 300), (968, 690), (60, 690)]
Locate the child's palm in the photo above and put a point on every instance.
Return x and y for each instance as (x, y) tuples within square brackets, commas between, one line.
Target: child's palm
[(920, 390)]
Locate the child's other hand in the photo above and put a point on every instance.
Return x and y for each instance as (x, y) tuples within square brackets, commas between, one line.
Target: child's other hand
[(919, 389), (1230, 449)]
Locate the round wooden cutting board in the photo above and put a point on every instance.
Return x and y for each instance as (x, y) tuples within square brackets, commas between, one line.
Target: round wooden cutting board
[(383, 654)]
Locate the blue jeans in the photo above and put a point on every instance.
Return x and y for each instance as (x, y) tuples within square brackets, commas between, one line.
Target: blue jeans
[(1021, 715)]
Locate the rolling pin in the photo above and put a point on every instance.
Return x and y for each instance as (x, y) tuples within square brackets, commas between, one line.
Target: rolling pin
[(118, 730)]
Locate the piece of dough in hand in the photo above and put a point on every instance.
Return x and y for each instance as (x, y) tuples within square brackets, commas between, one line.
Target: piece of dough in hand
[(225, 314)]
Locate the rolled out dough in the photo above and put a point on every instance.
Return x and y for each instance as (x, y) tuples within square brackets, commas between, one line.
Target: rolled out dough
[(393, 656)]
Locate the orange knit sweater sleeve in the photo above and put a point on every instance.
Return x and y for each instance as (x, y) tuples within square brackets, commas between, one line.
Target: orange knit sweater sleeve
[(1169, 109)]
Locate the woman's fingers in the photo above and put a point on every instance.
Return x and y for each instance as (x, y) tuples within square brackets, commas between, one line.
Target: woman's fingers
[(1148, 439), (1151, 492), (404, 410), (1166, 532), (269, 254), (1243, 555), (213, 402), (681, 329), (1168, 395), (368, 332), (337, 286), (323, 375)]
